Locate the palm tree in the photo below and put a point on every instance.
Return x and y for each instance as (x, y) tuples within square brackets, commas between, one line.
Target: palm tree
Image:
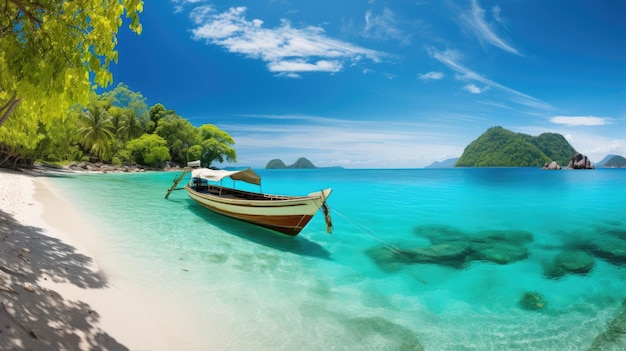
[(130, 126), (96, 133)]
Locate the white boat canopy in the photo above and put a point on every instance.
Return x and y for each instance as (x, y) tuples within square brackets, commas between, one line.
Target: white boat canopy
[(216, 175)]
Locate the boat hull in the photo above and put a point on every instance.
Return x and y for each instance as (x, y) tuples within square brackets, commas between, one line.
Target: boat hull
[(284, 214)]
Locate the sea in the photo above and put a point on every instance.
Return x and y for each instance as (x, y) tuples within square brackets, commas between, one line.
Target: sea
[(419, 259)]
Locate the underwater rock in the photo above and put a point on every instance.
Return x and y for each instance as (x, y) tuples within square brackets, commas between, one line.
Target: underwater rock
[(569, 261), (387, 259), (508, 236), (614, 333), (612, 250), (453, 248), (439, 234), (532, 301), (499, 252), (449, 254)]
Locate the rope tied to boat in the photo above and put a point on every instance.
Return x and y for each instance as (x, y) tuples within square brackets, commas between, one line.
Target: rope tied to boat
[(326, 210), (329, 221)]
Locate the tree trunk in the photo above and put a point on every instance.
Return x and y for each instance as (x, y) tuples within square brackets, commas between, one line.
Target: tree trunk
[(7, 109)]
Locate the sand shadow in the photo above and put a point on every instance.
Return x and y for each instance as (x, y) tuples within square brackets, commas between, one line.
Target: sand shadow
[(37, 318)]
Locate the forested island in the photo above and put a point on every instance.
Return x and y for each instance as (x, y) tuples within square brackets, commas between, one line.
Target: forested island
[(498, 147), (301, 163), (615, 162)]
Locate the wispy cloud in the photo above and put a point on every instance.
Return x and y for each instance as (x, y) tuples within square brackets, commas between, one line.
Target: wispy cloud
[(287, 50), (579, 120), (432, 75), (475, 22), (178, 4), (452, 59), (384, 26)]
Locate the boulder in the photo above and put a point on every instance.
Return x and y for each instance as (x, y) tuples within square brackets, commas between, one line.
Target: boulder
[(580, 161), (499, 252), (611, 249), (517, 237), (452, 254), (439, 234), (569, 261), (532, 301), (552, 166)]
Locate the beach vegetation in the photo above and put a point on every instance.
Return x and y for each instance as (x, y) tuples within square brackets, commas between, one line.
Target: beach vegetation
[(179, 133), (216, 145), (148, 149), (115, 127), (97, 129)]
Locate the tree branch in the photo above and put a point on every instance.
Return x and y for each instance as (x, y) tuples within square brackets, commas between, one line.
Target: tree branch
[(8, 108), (29, 12)]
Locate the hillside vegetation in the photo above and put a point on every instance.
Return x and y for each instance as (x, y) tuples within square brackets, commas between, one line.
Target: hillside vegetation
[(498, 147), (615, 162), (301, 163)]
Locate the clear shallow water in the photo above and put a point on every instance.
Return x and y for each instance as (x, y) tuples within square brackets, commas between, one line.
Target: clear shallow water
[(237, 286)]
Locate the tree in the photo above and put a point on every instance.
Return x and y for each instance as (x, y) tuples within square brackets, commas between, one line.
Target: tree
[(48, 49), (60, 140), (180, 135), (216, 145), (148, 149), (96, 132), (157, 113)]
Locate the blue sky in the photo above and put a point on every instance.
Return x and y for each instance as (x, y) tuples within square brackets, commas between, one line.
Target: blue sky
[(383, 84)]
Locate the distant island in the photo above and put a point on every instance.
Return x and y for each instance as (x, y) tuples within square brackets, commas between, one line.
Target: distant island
[(498, 147), (614, 162), (301, 163), (449, 163)]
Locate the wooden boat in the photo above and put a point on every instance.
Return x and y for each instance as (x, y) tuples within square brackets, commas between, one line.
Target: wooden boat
[(282, 213)]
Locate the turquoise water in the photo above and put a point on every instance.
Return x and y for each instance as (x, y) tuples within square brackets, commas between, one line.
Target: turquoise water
[(362, 288)]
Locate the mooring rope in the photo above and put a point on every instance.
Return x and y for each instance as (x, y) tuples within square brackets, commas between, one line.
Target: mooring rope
[(371, 233)]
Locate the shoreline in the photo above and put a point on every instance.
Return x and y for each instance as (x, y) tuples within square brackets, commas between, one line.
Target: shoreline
[(53, 294)]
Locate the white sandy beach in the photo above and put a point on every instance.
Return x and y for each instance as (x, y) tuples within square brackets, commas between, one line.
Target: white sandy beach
[(53, 295)]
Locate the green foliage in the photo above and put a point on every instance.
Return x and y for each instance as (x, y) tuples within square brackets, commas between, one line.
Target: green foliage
[(498, 147), (117, 127), (148, 149), (96, 129), (276, 164), (179, 133), (555, 146), (157, 113), (616, 162), (301, 163), (216, 145), (49, 49)]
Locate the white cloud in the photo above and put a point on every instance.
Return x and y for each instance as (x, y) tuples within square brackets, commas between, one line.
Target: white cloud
[(433, 75), (475, 22), (303, 66), (474, 89), (452, 59), (579, 120), (286, 49)]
